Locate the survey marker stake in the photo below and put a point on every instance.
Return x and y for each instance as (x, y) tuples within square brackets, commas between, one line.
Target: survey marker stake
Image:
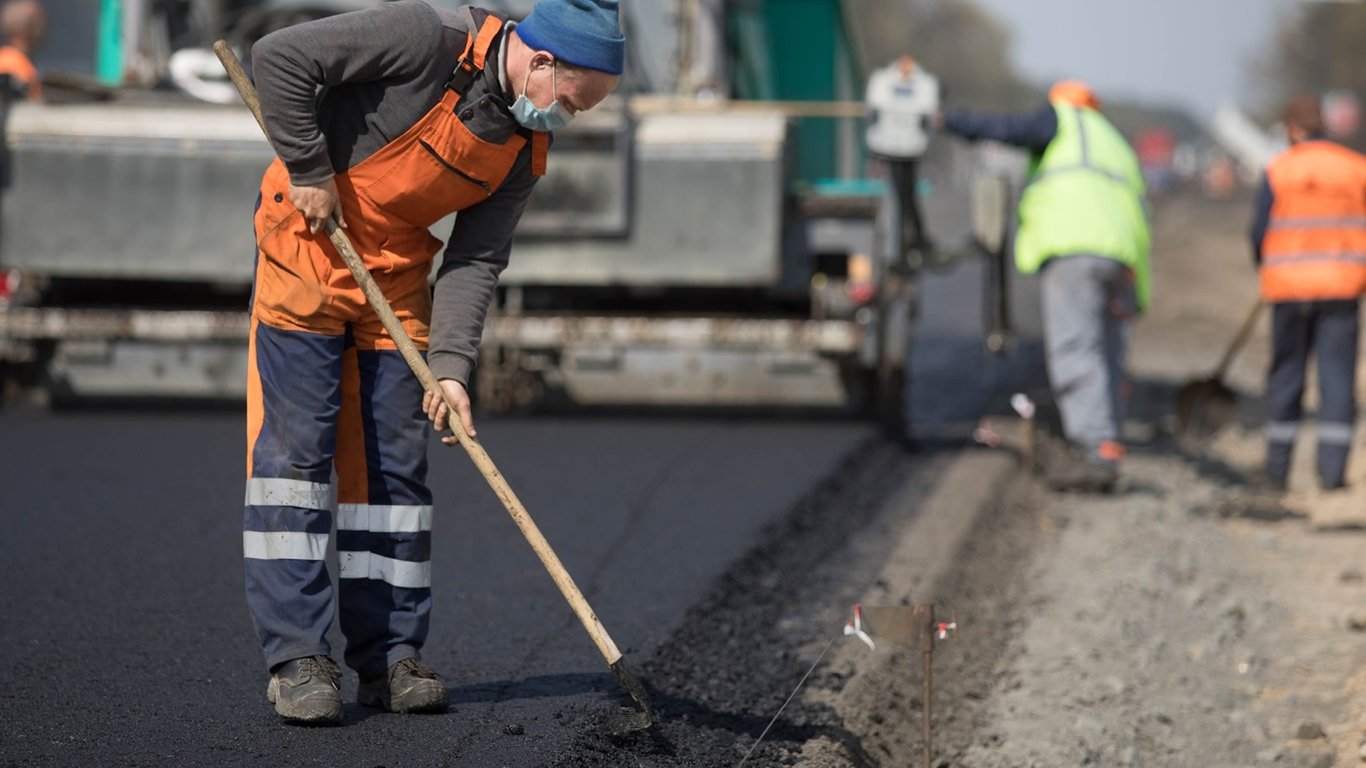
[(906, 622), (558, 573), (898, 622)]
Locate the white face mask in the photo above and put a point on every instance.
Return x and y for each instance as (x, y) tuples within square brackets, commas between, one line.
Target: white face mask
[(552, 118)]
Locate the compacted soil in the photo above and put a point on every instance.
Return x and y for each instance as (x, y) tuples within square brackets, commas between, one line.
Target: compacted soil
[(1187, 620)]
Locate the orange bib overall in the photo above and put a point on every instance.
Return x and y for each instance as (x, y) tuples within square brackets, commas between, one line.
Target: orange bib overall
[(388, 201), (326, 388)]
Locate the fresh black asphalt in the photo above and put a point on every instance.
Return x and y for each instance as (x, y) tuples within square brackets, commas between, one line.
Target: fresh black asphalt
[(128, 641), (123, 622)]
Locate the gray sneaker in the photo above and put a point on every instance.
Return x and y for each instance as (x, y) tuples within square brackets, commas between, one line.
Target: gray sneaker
[(409, 687), (306, 691)]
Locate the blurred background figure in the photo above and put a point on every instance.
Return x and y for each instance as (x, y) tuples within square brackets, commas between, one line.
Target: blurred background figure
[(902, 101), (1220, 176), (24, 24), (1309, 239), (1156, 149), (706, 74), (1082, 224)]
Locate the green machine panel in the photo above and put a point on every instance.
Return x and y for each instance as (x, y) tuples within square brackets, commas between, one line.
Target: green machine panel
[(797, 50)]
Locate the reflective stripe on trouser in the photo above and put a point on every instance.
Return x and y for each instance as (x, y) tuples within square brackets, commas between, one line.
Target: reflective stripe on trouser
[(1086, 302), (316, 401), (1329, 329)]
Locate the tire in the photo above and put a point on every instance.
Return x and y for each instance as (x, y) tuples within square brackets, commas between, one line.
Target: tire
[(880, 398), (890, 404)]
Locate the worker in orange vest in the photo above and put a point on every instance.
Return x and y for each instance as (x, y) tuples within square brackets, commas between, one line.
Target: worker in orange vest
[(24, 25), (1309, 238), (387, 119)]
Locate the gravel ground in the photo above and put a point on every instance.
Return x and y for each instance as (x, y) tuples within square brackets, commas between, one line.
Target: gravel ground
[(1185, 621)]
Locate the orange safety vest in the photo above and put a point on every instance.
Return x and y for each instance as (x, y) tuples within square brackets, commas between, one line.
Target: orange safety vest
[(14, 63), (1315, 243), (389, 200)]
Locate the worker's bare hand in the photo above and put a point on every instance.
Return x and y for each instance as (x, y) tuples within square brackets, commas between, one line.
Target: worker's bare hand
[(317, 202), (440, 414)]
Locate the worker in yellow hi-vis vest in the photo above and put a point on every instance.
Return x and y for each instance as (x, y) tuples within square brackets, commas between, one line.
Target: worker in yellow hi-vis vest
[(1083, 226)]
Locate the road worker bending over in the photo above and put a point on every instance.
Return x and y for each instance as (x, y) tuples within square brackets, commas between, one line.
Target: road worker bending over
[(1084, 227), (1309, 238), (389, 119)]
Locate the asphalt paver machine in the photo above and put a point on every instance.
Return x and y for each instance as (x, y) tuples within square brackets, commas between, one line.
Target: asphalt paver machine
[(710, 236)]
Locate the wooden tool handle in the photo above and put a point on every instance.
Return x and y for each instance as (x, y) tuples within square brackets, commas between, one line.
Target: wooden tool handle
[(418, 364)]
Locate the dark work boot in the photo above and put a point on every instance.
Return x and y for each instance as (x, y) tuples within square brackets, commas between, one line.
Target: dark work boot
[(1276, 469), (1332, 483), (1332, 467), (306, 691), (1085, 476), (1081, 471), (410, 687)]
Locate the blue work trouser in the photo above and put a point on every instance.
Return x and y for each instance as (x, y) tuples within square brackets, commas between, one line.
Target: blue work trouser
[(1329, 329), (1087, 302), (316, 401)]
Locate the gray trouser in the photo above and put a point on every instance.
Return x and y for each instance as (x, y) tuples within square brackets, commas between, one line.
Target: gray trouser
[(1087, 301)]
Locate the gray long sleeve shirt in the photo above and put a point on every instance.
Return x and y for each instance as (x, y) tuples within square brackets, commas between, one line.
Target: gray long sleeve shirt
[(334, 91)]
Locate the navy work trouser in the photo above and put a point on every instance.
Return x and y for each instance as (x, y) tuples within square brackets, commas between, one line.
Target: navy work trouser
[(1329, 329), (316, 401)]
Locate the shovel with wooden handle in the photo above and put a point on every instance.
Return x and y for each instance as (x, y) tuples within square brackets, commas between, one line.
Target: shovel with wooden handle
[(481, 458), (1205, 405)]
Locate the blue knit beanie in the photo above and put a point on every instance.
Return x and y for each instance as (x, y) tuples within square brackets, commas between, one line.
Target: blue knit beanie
[(581, 32)]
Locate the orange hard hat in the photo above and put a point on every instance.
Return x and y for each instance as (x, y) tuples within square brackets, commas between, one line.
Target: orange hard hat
[(1075, 93)]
